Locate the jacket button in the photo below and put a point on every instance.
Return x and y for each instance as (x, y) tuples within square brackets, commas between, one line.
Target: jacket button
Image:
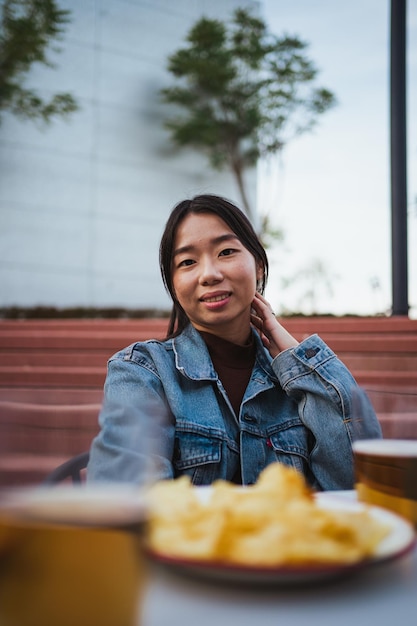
[(249, 418), (310, 352)]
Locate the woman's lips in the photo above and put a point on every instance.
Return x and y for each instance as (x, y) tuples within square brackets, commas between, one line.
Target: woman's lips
[(215, 300)]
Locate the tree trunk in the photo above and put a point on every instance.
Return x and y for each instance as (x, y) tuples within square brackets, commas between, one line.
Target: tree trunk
[(238, 172)]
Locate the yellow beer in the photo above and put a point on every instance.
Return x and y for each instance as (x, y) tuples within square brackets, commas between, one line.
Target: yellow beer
[(67, 574), (385, 474)]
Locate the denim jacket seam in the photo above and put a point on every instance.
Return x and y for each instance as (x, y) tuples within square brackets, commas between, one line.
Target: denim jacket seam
[(314, 365), (193, 427), (282, 427), (188, 426), (329, 385), (146, 364), (302, 368), (268, 431), (291, 449)]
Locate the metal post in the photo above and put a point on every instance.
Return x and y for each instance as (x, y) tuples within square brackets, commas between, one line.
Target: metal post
[(399, 241)]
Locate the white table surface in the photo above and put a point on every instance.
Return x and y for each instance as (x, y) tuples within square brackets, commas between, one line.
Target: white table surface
[(384, 594)]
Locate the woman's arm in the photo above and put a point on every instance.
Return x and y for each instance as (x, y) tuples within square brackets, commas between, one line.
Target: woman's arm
[(136, 428), (325, 391)]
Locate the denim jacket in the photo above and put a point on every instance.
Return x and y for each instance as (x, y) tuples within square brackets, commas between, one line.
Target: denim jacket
[(164, 398)]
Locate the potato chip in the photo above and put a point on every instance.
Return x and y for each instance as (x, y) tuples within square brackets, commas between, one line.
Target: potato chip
[(273, 523)]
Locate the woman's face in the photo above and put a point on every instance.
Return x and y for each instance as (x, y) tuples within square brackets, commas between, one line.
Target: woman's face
[(214, 276)]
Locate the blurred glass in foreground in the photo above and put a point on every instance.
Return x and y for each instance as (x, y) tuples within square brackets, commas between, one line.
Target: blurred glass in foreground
[(72, 556), (385, 474)]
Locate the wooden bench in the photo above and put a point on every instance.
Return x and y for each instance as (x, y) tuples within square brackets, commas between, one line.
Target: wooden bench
[(51, 386), (52, 374)]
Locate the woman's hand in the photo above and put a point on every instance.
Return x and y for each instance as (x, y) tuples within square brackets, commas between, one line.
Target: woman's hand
[(274, 336)]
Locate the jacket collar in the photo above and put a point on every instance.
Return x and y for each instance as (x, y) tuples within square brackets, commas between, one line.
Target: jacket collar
[(193, 360)]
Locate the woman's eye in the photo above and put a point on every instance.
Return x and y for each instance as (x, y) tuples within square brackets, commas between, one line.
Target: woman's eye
[(185, 263), (227, 252)]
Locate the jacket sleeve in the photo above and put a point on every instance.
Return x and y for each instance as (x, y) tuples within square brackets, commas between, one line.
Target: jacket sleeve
[(136, 427), (332, 407)]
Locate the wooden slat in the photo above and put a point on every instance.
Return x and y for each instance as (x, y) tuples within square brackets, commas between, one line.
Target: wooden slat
[(52, 374)]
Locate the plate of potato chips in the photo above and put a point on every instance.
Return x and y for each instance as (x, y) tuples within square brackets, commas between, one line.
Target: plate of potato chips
[(275, 531)]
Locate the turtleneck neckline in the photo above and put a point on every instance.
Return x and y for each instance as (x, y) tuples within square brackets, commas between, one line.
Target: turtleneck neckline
[(231, 354)]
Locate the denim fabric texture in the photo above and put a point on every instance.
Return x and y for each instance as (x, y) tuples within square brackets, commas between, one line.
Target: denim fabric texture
[(164, 399)]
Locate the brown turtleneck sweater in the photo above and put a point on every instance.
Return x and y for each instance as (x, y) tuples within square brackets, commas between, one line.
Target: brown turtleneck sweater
[(233, 364)]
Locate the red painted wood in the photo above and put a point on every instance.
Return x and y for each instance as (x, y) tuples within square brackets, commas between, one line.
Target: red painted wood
[(52, 374)]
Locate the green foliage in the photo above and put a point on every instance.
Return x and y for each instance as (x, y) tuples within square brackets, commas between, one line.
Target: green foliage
[(27, 27), (269, 234), (241, 92)]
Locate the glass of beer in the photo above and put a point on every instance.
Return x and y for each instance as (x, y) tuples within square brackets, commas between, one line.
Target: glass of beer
[(72, 556), (386, 471)]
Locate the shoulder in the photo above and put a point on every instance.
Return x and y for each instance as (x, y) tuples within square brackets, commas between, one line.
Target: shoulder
[(152, 356), (143, 351)]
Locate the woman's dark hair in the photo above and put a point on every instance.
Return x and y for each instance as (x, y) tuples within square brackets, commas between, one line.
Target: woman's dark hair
[(237, 222)]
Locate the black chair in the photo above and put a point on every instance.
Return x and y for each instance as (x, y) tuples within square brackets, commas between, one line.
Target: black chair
[(71, 469)]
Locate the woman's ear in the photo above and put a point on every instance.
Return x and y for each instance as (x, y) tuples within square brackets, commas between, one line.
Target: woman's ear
[(259, 277)]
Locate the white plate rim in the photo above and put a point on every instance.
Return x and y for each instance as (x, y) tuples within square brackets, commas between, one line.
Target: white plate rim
[(401, 540)]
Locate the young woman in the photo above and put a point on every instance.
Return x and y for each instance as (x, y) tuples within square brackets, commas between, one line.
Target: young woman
[(230, 390)]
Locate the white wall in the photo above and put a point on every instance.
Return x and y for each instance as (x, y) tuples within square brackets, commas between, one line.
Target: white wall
[(83, 202)]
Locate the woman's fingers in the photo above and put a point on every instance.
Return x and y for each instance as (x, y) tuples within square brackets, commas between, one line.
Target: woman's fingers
[(274, 336)]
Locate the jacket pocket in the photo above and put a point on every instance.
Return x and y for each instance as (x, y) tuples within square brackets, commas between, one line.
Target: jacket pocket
[(192, 449), (197, 456), (290, 446)]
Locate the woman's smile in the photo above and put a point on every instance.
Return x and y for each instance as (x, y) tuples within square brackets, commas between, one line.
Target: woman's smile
[(216, 300)]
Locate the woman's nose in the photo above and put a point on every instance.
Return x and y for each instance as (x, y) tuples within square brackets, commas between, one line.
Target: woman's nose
[(210, 272)]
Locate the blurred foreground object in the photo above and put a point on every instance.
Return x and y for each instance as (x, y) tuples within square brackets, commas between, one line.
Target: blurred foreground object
[(71, 556), (386, 474), (272, 523)]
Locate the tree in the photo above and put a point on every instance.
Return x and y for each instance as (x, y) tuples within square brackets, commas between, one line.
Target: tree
[(27, 28), (245, 92)]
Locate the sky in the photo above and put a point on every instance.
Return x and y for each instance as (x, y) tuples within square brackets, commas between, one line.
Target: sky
[(329, 190)]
